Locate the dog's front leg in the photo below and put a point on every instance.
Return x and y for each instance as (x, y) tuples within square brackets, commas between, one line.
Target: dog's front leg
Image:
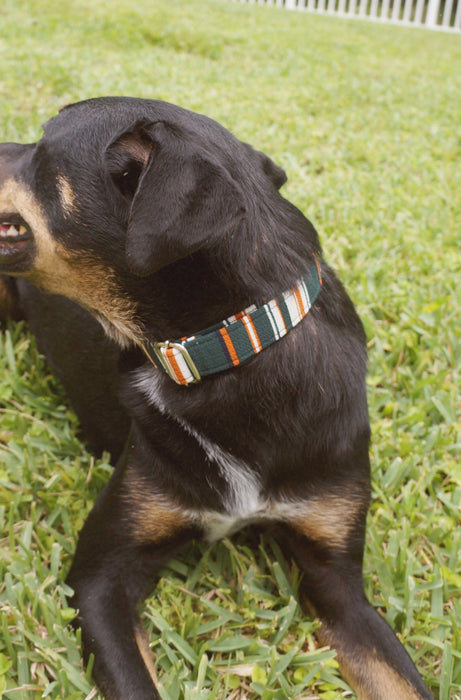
[(370, 656), (130, 533)]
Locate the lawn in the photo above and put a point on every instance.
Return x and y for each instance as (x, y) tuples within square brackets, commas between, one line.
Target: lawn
[(366, 121)]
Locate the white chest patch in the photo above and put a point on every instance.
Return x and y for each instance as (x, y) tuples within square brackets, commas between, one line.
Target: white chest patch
[(243, 502)]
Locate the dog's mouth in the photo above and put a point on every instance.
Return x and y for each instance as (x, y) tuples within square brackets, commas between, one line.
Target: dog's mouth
[(13, 232), (14, 238)]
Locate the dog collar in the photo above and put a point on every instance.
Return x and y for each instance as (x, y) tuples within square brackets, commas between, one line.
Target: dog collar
[(231, 342)]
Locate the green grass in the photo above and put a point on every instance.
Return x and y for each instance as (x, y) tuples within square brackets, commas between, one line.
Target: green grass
[(366, 121)]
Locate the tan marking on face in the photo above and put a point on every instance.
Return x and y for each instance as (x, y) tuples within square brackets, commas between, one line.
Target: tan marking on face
[(58, 270), (330, 518), (67, 195)]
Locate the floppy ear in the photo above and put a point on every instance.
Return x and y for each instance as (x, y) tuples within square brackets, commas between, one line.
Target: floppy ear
[(274, 172), (183, 198)]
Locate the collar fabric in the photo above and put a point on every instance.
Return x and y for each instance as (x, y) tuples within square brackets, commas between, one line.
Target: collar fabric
[(237, 338)]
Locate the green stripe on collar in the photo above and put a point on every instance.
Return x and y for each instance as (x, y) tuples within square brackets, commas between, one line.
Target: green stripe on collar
[(231, 342)]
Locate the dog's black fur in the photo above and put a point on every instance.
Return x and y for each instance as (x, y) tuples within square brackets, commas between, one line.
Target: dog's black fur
[(158, 222)]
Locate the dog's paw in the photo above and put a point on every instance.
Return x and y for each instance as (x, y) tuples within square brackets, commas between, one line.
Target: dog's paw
[(9, 300)]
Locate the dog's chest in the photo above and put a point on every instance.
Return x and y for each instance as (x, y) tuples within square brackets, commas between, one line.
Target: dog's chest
[(241, 502)]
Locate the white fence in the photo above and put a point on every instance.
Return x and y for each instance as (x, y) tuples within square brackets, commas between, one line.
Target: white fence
[(444, 15)]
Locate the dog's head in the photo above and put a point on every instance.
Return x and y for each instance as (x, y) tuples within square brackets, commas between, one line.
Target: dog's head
[(118, 189)]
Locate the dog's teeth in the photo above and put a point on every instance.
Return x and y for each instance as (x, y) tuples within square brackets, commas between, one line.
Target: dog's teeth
[(12, 231)]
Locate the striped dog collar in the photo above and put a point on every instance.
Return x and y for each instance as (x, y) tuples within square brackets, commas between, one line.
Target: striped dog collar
[(231, 342)]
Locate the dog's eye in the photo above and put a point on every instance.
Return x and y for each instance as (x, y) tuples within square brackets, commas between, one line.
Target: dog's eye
[(127, 180)]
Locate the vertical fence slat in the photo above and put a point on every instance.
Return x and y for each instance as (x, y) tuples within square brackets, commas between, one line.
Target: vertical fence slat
[(384, 10), (418, 18), (396, 10), (447, 13), (419, 13), (352, 8), (457, 23), (432, 13), (407, 10), (363, 8), (374, 8)]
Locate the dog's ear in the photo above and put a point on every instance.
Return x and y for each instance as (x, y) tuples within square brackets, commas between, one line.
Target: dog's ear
[(182, 199), (274, 172)]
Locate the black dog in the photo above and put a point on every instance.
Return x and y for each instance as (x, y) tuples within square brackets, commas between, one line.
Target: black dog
[(161, 224)]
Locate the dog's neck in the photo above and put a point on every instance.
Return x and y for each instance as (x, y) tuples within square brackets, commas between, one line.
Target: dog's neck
[(227, 344)]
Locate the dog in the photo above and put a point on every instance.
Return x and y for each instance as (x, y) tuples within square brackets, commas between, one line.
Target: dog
[(203, 341)]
